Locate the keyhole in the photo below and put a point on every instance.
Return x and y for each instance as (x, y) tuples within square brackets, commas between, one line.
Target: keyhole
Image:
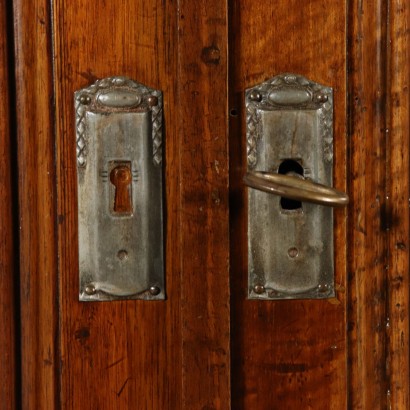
[(121, 178), (290, 166)]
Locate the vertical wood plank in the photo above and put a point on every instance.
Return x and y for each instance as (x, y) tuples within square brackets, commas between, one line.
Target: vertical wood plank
[(398, 193), (123, 354), (8, 302), (367, 211), (204, 231), (35, 140), (287, 354)]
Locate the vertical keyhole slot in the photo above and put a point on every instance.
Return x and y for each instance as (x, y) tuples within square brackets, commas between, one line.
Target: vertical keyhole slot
[(121, 178), (290, 166)]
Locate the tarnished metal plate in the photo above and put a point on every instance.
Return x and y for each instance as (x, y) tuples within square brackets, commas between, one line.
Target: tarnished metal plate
[(290, 246), (119, 169)]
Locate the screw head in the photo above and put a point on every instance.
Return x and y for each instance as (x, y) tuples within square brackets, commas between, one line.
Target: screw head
[(85, 99), (154, 290), (259, 289), (255, 96), (293, 252), (321, 98), (152, 100), (90, 289), (122, 255), (323, 287)]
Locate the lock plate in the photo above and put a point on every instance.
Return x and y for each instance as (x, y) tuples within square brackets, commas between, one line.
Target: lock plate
[(119, 171), (290, 243)]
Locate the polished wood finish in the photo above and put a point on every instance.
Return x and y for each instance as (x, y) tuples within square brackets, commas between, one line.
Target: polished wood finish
[(207, 346), (368, 228), (287, 354), (37, 218), (123, 354), (8, 302), (143, 340), (204, 225), (398, 124)]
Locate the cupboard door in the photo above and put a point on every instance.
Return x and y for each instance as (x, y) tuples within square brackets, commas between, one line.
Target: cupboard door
[(342, 352), (207, 346), (138, 354), (292, 353)]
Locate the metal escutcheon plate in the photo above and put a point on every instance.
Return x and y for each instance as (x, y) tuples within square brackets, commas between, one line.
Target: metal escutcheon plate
[(290, 243), (119, 169)]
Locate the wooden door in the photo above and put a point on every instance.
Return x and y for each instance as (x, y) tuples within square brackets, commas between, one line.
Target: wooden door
[(343, 352), (207, 346)]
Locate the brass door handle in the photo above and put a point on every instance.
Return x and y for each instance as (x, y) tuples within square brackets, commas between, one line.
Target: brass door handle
[(296, 187)]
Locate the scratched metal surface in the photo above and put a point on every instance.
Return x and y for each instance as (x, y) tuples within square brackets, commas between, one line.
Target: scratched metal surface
[(290, 252), (120, 254)]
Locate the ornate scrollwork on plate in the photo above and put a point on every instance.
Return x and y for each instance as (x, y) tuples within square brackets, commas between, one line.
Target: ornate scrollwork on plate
[(326, 124), (115, 94), (284, 92), (252, 122)]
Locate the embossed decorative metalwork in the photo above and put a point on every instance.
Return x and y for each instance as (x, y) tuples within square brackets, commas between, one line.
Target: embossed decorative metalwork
[(120, 201), (272, 94), (252, 121), (290, 242), (118, 93)]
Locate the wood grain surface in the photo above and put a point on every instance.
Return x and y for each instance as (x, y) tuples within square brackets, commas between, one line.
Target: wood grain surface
[(128, 354), (368, 227), (8, 301), (204, 224), (123, 354), (37, 218), (398, 125), (287, 354), (207, 346)]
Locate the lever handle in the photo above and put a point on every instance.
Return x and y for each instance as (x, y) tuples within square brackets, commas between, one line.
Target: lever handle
[(296, 187)]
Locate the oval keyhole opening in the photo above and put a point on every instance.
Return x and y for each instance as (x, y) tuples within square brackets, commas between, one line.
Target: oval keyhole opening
[(289, 166), (121, 178)]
